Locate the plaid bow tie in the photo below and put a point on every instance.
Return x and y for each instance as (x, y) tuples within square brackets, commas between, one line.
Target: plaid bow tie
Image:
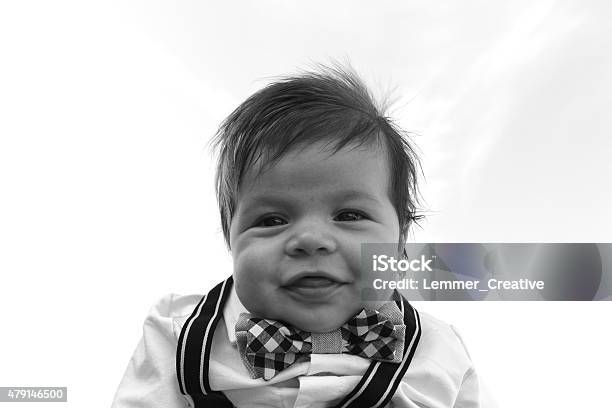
[(268, 346)]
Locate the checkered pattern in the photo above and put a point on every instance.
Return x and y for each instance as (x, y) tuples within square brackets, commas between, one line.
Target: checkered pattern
[(268, 346), (272, 347), (369, 335)]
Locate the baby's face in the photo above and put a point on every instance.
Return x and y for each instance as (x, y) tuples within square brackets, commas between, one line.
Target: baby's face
[(297, 232)]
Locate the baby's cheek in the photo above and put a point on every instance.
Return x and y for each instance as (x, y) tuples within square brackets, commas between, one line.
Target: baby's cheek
[(254, 278), (253, 266)]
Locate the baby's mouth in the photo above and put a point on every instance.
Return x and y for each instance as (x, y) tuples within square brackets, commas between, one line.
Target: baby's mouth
[(313, 282), (313, 287)]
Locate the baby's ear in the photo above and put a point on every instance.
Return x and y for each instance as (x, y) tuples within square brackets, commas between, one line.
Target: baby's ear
[(401, 250)]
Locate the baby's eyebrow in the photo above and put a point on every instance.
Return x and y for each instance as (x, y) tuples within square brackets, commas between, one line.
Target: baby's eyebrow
[(268, 199), (254, 203), (346, 195)]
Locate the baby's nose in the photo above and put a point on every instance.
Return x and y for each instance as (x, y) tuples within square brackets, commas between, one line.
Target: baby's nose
[(311, 241)]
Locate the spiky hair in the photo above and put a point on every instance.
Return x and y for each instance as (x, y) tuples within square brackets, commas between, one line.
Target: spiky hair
[(329, 104)]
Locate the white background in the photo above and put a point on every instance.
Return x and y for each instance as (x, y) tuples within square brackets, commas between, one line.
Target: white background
[(106, 197)]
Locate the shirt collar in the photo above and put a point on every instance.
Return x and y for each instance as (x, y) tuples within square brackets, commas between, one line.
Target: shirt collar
[(231, 312)]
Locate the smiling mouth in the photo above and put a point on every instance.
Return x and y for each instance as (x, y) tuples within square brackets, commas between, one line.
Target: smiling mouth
[(313, 287), (313, 282)]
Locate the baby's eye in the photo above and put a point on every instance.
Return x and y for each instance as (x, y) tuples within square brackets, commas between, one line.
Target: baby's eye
[(270, 221), (350, 216)]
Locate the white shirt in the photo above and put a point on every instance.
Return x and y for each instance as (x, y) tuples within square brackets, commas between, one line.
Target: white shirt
[(441, 373)]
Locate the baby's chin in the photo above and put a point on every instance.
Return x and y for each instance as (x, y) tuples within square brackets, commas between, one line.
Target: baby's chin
[(322, 321), (318, 326), (331, 320), (311, 319)]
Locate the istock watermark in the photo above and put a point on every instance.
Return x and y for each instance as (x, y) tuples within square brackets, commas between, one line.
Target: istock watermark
[(383, 263), (488, 271)]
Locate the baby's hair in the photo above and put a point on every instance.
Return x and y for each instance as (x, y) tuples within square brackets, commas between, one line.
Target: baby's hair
[(327, 104)]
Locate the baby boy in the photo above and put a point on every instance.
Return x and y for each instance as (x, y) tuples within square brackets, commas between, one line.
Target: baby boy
[(309, 170)]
